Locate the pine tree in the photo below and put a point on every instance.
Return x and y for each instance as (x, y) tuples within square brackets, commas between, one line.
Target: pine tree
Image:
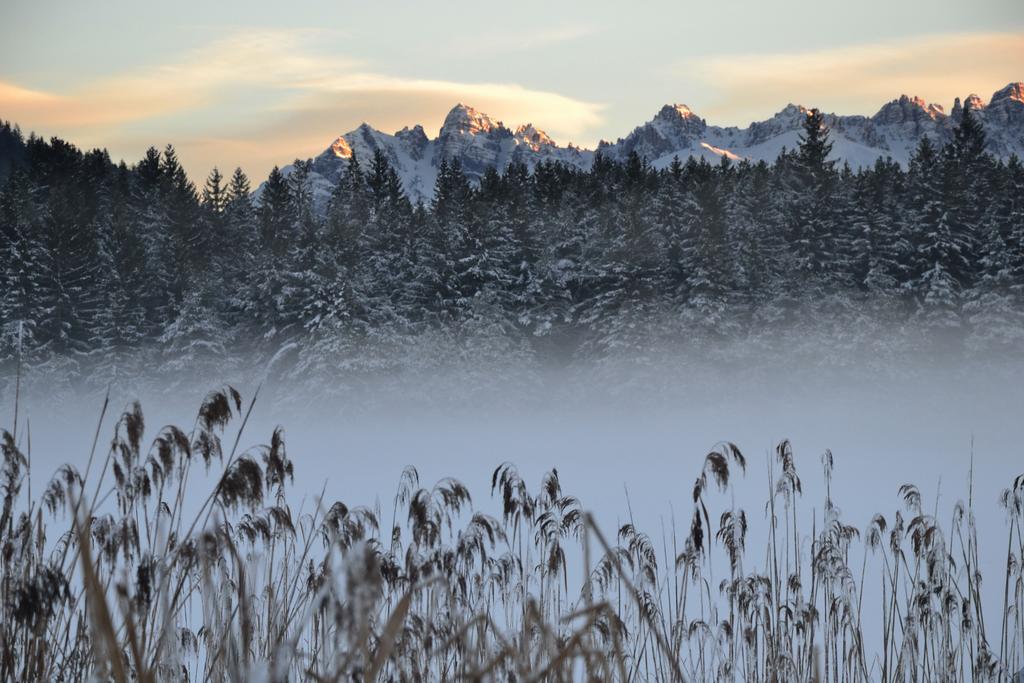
[(876, 248), (425, 285), (454, 242), (519, 246), (674, 219), (388, 241), (624, 280), (118, 328), (23, 264), (151, 221), (938, 260), (335, 288), (241, 258), (757, 240), (499, 261), (119, 332), (303, 290), (562, 225), (968, 171), (348, 213), (214, 202), (1009, 217), (190, 236), (215, 196), (12, 150), (995, 305), (274, 219), (68, 208), (708, 262), (265, 282), (238, 188), (811, 180)]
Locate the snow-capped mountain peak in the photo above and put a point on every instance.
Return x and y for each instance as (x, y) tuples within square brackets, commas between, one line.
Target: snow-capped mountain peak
[(535, 138), (905, 109), (972, 101), (464, 119), (479, 142), (416, 130), (674, 129), (1003, 120), (792, 111), (672, 112), (975, 102), (1014, 91), (415, 136)]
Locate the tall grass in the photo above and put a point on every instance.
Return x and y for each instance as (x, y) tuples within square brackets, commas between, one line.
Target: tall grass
[(122, 573)]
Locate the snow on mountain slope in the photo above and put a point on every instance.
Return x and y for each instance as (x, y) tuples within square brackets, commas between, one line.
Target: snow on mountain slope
[(479, 142), (1004, 121)]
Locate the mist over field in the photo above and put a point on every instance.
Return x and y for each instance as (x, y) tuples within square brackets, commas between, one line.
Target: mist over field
[(627, 439)]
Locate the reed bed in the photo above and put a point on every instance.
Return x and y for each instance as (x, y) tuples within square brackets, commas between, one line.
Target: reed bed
[(116, 572)]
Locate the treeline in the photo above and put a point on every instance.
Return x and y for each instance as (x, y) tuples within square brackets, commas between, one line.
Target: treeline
[(100, 260)]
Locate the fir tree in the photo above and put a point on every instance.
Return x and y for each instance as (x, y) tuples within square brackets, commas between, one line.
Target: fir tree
[(995, 305), (241, 258), (811, 201), (190, 236), (707, 256), (24, 261), (274, 219)]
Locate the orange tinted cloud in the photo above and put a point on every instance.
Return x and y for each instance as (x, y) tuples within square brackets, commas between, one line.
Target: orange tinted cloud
[(260, 97)]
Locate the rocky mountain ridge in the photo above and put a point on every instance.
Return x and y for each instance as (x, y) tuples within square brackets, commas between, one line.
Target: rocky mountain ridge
[(480, 142)]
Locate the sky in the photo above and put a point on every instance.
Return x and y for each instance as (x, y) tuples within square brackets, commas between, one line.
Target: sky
[(257, 84)]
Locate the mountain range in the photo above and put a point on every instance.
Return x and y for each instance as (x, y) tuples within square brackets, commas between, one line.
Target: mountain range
[(480, 142)]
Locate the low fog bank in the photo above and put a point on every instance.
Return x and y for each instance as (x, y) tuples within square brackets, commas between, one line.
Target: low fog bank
[(900, 421), (449, 374)]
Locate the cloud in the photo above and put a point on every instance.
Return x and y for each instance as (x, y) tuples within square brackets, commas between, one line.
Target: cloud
[(859, 78), (16, 96), (260, 97), (564, 116)]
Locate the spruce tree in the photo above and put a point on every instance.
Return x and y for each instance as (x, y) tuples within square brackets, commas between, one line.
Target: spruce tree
[(968, 188), (274, 206), (454, 242), (708, 260), (995, 304), (150, 222), (23, 269), (811, 179), (938, 249), (761, 254), (189, 235)]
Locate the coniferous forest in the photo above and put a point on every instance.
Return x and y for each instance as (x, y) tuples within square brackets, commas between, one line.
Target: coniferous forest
[(107, 267)]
